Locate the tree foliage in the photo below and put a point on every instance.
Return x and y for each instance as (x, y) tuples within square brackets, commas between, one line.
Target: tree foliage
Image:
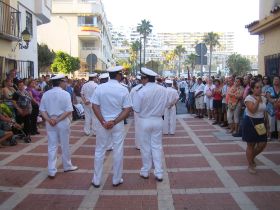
[(238, 64), (154, 65), (144, 28), (169, 58), (126, 65), (64, 63), (134, 48), (191, 60), (179, 51), (45, 56), (212, 40)]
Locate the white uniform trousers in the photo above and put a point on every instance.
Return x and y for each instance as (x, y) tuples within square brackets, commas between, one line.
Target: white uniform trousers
[(103, 136), (151, 145), (90, 121), (137, 131), (59, 133), (169, 123)]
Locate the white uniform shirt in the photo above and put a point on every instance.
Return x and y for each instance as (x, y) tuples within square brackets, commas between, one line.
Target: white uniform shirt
[(134, 89), (112, 98), (88, 90), (172, 95), (199, 88), (56, 101), (150, 101)]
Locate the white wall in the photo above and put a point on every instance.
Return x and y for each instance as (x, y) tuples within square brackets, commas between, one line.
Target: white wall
[(30, 54)]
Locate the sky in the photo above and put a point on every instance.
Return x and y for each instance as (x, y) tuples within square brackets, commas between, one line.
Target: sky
[(190, 16)]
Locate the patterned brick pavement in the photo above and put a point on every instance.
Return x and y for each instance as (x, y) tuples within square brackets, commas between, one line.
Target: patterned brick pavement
[(201, 172)]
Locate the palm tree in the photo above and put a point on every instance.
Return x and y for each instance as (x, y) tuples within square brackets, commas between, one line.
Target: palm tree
[(191, 61), (144, 28), (134, 48), (179, 51), (212, 40)]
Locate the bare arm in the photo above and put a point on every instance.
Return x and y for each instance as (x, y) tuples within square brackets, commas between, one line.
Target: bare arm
[(124, 114), (97, 112), (63, 116), (253, 107)]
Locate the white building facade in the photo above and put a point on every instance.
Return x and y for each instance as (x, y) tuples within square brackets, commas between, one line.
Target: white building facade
[(80, 28), (15, 17)]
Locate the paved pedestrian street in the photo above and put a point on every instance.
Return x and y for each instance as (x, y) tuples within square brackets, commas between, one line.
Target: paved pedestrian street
[(202, 172)]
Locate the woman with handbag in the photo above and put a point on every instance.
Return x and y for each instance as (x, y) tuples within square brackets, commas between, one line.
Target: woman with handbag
[(254, 130)]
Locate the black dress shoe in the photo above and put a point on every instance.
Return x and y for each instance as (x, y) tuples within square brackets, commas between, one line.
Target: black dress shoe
[(95, 185), (159, 179), (118, 184), (51, 176), (144, 177)]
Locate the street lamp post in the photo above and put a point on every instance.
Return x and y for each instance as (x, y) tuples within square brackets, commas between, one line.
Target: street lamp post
[(69, 33), (141, 53)]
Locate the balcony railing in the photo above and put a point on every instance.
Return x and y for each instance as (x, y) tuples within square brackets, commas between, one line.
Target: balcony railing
[(9, 22)]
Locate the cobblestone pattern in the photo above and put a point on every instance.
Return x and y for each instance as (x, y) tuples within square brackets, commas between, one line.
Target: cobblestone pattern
[(201, 172)]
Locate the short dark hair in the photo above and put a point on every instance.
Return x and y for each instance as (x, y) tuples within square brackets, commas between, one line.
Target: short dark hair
[(113, 75), (56, 82), (151, 79)]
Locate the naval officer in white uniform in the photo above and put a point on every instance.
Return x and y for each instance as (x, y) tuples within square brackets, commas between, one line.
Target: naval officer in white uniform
[(150, 102), (87, 92), (103, 78), (169, 123), (56, 108), (111, 105), (136, 124)]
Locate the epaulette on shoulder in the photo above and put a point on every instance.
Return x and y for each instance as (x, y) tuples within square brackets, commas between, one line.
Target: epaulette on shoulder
[(140, 88)]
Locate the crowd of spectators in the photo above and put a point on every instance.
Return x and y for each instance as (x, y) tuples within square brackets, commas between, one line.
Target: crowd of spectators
[(218, 99)]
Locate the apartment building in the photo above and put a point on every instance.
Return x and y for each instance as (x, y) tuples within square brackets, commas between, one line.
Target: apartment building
[(80, 28), (19, 20), (268, 30)]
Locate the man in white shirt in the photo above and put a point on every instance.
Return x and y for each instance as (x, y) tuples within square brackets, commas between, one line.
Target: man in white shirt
[(150, 103), (56, 108), (169, 122), (136, 123), (191, 99), (87, 92), (111, 105), (199, 98)]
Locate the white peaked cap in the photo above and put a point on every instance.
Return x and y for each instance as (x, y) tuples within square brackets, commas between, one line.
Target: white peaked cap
[(93, 75), (58, 76), (148, 72), (104, 76), (168, 81), (115, 69)]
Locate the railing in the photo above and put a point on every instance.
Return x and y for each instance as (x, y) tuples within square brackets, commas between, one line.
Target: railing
[(272, 65), (9, 22), (25, 69)]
